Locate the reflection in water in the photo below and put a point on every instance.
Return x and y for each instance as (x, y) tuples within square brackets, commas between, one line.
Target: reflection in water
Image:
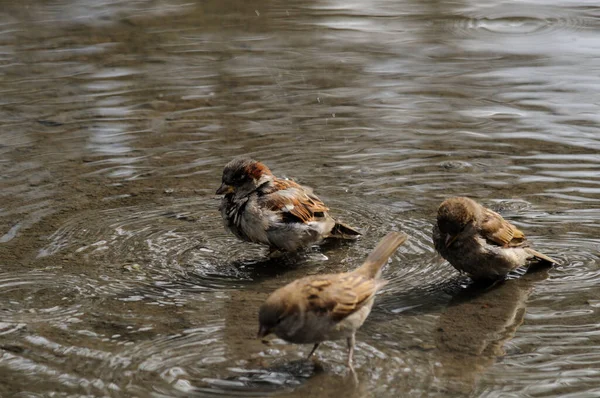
[(472, 331), (117, 277)]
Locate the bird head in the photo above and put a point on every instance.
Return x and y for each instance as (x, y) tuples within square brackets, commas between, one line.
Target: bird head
[(454, 215), (243, 175)]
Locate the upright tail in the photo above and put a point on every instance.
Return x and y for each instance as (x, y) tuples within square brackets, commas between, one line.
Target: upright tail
[(343, 231), (540, 257), (379, 256)]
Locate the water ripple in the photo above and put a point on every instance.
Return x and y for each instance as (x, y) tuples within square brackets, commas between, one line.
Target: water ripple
[(169, 240), (40, 297), (117, 118), (507, 22)]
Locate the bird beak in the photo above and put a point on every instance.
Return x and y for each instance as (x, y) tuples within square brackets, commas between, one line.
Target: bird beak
[(450, 239), (224, 189), (262, 332)]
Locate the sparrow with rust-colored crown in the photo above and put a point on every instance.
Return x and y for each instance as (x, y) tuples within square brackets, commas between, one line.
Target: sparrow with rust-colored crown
[(320, 308), (259, 207), (479, 242)]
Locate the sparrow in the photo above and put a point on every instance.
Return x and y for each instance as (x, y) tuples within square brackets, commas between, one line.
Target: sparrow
[(259, 207), (478, 241), (320, 308)]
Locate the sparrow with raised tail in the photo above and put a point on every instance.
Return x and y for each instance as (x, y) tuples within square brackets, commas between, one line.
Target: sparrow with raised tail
[(259, 207), (319, 308), (478, 241)]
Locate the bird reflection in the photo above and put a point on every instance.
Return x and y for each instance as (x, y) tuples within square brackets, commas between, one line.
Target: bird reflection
[(471, 333)]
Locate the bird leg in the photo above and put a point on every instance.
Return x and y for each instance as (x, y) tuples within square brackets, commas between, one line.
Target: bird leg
[(350, 355), (313, 350), (350, 352)]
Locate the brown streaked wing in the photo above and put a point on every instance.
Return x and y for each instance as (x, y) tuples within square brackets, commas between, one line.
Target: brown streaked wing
[(340, 296), (496, 229), (290, 197)]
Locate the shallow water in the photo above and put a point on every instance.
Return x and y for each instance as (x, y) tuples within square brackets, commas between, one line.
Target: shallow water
[(117, 278)]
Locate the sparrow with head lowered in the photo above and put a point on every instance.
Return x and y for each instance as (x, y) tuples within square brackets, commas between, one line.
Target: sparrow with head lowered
[(319, 308), (478, 241), (259, 207)]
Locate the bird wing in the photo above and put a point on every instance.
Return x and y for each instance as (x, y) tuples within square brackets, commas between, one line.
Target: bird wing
[(497, 230), (339, 295), (295, 202)]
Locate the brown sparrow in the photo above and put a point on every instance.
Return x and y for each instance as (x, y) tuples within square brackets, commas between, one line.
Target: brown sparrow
[(480, 242), (318, 308), (259, 207)]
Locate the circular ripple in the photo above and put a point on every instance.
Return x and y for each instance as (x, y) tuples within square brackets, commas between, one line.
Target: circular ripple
[(182, 246), (160, 244), (578, 259), (39, 297), (527, 22)]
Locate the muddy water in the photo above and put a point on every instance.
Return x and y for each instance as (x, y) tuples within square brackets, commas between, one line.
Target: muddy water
[(117, 278)]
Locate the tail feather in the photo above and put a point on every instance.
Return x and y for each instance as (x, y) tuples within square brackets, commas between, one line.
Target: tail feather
[(379, 256), (343, 231), (540, 256)]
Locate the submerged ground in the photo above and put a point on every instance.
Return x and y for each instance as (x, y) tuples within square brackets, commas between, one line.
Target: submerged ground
[(117, 278)]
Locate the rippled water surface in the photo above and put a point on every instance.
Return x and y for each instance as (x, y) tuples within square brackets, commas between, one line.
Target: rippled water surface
[(117, 117)]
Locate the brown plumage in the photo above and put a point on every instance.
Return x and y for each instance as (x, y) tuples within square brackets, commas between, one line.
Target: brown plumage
[(303, 204), (328, 307), (478, 241), (259, 207)]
